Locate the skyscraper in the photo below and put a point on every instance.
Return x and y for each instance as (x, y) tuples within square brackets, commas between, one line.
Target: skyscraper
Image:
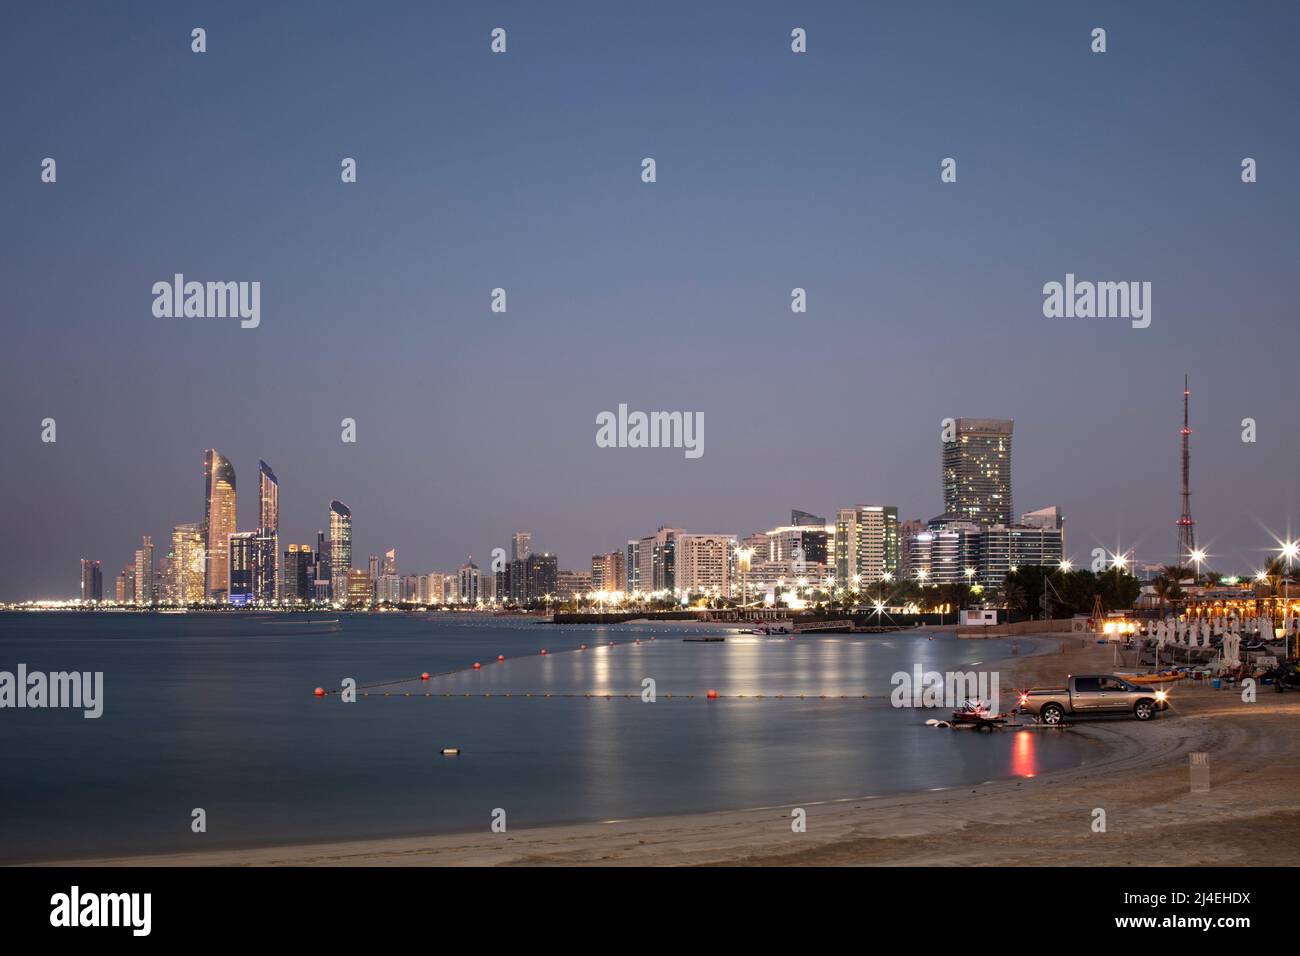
[(189, 562), (340, 549), (298, 574), (124, 589), (542, 572), (608, 571), (390, 561), (468, 583), (977, 471), (92, 582), (144, 585), (521, 545), (866, 544), (244, 547), (219, 521), (266, 577)]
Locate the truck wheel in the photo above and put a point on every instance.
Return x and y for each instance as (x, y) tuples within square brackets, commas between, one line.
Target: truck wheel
[(1052, 715), (1144, 710)]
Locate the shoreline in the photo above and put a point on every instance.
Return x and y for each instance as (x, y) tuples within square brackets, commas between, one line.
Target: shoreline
[(1140, 778)]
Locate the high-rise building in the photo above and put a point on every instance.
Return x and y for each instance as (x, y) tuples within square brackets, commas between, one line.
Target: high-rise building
[(242, 565), (521, 545), (608, 572), (943, 555), (356, 586), (977, 471), (1002, 548), (542, 572), (321, 590), (144, 582), (124, 589), (705, 563), (340, 549), (800, 519), (266, 571), (656, 561), (866, 544), (390, 561), (298, 574), (571, 584), (907, 530), (189, 564), (92, 582), (632, 567), (219, 521), (468, 583)]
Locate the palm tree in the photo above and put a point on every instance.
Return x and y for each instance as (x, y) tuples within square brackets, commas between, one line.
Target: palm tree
[(1014, 594), (1161, 586)]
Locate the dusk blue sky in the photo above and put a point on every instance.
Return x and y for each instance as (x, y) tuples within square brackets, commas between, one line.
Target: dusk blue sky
[(522, 170)]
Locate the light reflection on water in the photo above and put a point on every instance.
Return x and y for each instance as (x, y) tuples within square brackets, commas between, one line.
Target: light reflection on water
[(216, 711)]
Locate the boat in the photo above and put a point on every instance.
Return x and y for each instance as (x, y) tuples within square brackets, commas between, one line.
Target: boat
[(975, 712), (1143, 680)]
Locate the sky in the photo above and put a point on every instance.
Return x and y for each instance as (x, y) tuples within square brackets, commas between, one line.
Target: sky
[(522, 171)]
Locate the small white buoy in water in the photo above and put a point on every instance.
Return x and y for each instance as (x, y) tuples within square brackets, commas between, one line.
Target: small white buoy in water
[(932, 722), (451, 751)]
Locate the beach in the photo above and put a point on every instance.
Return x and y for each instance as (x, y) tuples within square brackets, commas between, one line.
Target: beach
[(1140, 778)]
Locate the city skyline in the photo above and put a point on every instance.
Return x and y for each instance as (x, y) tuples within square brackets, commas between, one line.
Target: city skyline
[(976, 475), (924, 298)]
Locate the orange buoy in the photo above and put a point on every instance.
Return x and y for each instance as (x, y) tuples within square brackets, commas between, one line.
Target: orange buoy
[(638, 642), (424, 676), (477, 665), (611, 643), (543, 652), (713, 695), (501, 657), (582, 647), (319, 692)]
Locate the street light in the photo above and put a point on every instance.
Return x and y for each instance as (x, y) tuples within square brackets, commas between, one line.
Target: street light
[(1197, 555), (743, 558), (1289, 549)]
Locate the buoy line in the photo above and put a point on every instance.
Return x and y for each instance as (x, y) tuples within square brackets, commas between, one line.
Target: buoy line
[(711, 695), (477, 665)]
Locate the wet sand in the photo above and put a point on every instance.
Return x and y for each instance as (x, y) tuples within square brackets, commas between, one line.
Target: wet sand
[(1140, 777)]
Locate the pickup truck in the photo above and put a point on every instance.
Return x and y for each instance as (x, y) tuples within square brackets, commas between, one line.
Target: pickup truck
[(1087, 695)]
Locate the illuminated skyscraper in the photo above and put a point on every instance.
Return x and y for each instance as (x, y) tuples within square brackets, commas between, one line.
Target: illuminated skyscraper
[(866, 544), (189, 561), (521, 545), (144, 584), (266, 577), (298, 574), (219, 521), (92, 582), (977, 471), (243, 558), (340, 549)]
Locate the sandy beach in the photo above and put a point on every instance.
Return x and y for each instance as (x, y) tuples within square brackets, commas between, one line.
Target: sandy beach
[(1140, 777)]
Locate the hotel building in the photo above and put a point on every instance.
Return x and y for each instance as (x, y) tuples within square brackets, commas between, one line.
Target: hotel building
[(977, 471), (219, 521)]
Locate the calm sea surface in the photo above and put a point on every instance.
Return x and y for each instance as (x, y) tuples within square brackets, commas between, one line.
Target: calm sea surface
[(216, 711)]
